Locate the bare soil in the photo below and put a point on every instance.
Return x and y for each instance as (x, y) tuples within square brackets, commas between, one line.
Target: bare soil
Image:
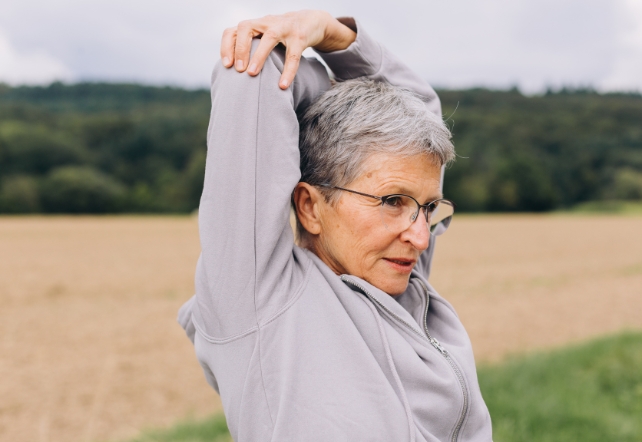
[(90, 350)]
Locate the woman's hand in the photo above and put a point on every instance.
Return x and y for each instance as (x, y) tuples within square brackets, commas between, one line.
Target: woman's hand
[(295, 30)]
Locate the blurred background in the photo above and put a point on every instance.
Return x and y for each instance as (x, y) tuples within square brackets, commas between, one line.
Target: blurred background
[(103, 115)]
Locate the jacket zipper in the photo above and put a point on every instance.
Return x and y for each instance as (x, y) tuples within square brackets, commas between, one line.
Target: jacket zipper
[(460, 377), (434, 342)]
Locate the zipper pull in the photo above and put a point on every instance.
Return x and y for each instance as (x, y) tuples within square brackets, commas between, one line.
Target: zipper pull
[(435, 343)]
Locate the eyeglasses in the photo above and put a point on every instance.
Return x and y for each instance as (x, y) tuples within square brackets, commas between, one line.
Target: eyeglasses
[(399, 211)]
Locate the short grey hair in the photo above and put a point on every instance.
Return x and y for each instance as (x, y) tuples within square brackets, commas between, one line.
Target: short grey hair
[(357, 118)]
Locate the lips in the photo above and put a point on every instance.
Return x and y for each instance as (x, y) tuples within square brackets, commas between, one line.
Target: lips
[(403, 265)]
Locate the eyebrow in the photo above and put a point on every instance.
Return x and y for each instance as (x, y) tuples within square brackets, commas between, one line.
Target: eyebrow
[(404, 191)]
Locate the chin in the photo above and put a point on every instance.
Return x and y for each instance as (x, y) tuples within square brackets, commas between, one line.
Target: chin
[(398, 291), (394, 287)]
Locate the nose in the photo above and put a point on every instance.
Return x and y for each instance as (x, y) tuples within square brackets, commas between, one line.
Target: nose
[(418, 233)]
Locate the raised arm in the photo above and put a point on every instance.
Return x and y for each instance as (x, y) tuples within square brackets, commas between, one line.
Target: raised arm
[(247, 271), (252, 166)]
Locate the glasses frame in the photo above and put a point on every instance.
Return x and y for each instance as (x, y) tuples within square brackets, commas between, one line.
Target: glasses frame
[(413, 218)]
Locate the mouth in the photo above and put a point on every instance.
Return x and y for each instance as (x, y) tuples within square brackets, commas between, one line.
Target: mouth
[(402, 265)]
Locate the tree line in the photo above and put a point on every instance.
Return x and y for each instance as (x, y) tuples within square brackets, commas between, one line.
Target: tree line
[(110, 148)]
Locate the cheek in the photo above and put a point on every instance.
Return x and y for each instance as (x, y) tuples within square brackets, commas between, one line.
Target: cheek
[(368, 240), (356, 238)]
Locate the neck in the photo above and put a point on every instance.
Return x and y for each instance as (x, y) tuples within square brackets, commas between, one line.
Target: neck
[(316, 246)]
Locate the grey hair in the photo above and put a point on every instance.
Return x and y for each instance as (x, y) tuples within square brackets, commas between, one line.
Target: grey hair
[(356, 118)]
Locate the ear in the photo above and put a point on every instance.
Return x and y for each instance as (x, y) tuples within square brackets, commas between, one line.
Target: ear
[(307, 200)]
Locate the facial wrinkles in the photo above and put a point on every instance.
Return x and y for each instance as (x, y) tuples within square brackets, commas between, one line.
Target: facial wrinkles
[(349, 207), (421, 180), (354, 239), (422, 188)]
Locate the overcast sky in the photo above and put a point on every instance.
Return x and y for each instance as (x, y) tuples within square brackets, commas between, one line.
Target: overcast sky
[(532, 44)]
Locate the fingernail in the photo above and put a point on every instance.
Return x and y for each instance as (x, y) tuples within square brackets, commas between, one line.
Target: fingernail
[(226, 61), (252, 68), (283, 84), (239, 64)]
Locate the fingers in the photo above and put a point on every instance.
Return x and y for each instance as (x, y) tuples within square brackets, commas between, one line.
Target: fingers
[(297, 31), (244, 34), (268, 42), (236, 46), (228, 42), (292, 59)]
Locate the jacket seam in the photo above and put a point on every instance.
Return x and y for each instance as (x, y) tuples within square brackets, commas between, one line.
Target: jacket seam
[(256, 149), (213, 340), (295, 298), (298, 292)]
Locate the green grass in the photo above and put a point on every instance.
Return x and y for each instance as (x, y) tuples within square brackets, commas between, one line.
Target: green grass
[(585, 393), (213, 429)]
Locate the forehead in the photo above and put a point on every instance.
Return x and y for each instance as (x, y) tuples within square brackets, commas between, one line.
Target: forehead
[(416, 175)]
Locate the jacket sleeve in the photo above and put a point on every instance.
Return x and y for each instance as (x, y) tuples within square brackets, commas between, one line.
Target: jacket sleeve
[(247, 270), (367, 58)]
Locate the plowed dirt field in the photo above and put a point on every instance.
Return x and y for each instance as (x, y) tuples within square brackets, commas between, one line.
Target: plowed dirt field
[(90, 350)]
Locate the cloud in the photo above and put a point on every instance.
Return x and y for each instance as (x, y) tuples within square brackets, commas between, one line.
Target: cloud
[(457, 43), (626, 71), (29, 68)]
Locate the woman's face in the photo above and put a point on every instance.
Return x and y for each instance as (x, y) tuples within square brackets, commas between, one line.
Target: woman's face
[(353, 238)]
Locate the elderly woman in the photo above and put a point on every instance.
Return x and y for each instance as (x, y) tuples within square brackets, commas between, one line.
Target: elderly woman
[(340, 338)]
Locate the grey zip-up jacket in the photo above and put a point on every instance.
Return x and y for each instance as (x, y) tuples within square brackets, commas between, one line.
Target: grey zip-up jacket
[(296, 352)]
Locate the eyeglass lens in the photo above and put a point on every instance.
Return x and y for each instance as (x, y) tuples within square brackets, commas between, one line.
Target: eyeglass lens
[(398, 212)]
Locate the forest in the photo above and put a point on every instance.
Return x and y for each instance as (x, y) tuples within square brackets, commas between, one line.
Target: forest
[(115, 148)]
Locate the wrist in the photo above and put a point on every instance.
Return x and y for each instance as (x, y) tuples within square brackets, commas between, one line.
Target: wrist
[(339, 35)]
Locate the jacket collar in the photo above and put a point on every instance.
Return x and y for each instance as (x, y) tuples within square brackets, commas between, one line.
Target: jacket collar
[(415, 293)]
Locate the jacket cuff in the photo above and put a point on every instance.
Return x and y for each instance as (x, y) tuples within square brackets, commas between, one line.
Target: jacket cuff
[(362, 58)]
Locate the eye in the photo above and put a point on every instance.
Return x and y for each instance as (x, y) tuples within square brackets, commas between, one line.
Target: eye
[(431, 207), (393, 201)]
